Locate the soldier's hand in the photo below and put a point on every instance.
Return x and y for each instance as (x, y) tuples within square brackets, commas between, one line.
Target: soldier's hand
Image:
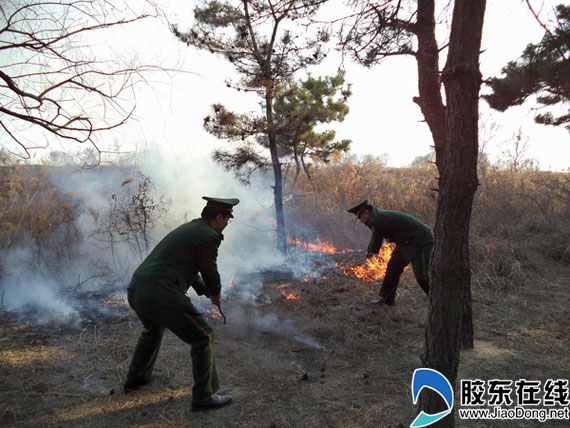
[(216, 300)]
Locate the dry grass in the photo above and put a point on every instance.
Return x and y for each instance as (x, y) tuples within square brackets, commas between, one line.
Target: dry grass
[(32, 208), (360, 377), (519, 220)]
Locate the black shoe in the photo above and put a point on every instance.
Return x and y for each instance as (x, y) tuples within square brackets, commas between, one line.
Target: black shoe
[(214, 401), (382, 301), (133, 385)]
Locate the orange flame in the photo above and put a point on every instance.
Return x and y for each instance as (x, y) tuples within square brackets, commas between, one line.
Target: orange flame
[(212, 314), (373, 269), (289, 296), (319, 247), (231, 283)]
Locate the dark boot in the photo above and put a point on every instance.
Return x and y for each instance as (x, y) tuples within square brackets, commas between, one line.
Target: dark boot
[(382, 301), (214, 401), (134, 384)]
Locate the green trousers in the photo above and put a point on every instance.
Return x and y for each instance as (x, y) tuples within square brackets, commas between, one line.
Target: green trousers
[(420, 266), (396, 266), (188, 324)]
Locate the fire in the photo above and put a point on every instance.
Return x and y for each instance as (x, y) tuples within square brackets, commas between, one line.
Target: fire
[(231, 283), (372, 269), (212, 314), (318, 247), (289, 296)]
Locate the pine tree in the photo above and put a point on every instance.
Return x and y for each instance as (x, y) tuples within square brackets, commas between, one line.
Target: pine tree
[(253, 36), (544, 70), (302, 107)]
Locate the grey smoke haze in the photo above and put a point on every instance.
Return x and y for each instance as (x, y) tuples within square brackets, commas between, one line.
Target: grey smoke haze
[(28, 289), (270, 323), (43, 285), (253, 321)]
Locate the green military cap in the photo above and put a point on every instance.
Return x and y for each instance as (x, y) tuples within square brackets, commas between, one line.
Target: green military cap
[(221, 205), (356, 210)]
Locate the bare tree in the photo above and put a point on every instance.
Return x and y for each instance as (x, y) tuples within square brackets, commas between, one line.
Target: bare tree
[(52, 85), (515, 154), (488, 130), (133, 214)]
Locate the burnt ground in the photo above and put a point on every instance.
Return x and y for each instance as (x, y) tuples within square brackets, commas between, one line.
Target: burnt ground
[(329, 359)]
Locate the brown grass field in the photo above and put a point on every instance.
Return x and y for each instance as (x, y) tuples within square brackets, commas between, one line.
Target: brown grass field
[(360, 374)]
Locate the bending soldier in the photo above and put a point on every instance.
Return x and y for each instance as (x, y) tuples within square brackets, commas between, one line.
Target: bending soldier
[(414, 243), (187, 256)]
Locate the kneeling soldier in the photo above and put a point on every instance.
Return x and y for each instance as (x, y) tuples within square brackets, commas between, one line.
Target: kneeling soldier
[(414, 243), (157, 292)]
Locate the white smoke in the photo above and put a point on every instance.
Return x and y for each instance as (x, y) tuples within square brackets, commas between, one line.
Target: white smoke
[(28, 290), (249, 243), (29, 283), (253, 322), (270, 323)]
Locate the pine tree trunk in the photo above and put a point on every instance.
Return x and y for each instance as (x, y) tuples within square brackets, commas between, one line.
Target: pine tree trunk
[(466, 323), (297, 164), (429, 86), (456, 159), (278, 187), (433, 109), (278, 199)]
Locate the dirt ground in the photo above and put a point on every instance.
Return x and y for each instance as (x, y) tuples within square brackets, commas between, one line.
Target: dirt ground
[(329, 359)]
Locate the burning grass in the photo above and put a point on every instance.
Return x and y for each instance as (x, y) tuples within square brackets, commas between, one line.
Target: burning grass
[(327, 358), (213, 314), (289, 295), (373, 268), (368, 270), (319, 246), (324, 357)]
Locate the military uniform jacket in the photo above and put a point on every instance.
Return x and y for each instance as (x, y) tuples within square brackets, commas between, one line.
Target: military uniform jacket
[(177, 262), (407, 232)]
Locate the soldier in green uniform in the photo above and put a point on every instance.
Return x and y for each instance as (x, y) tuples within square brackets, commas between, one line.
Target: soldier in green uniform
[(414, 243), (187, 256)]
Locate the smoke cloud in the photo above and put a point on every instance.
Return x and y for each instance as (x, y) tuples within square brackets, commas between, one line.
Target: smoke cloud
[(94, 258)]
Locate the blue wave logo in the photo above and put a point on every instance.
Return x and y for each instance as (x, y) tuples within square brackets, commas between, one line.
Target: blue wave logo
[(434, 380)]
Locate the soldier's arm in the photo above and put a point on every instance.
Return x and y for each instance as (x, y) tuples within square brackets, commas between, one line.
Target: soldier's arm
[(199, 286), (208, 267), (375, 243)]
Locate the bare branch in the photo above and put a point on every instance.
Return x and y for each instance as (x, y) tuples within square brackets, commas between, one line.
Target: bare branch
[(47, 77)]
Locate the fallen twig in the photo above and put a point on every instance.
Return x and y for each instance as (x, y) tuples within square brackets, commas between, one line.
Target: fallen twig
[(329, 290)]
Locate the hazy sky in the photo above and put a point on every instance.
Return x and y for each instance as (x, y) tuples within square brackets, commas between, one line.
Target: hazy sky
[(382, 119)]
